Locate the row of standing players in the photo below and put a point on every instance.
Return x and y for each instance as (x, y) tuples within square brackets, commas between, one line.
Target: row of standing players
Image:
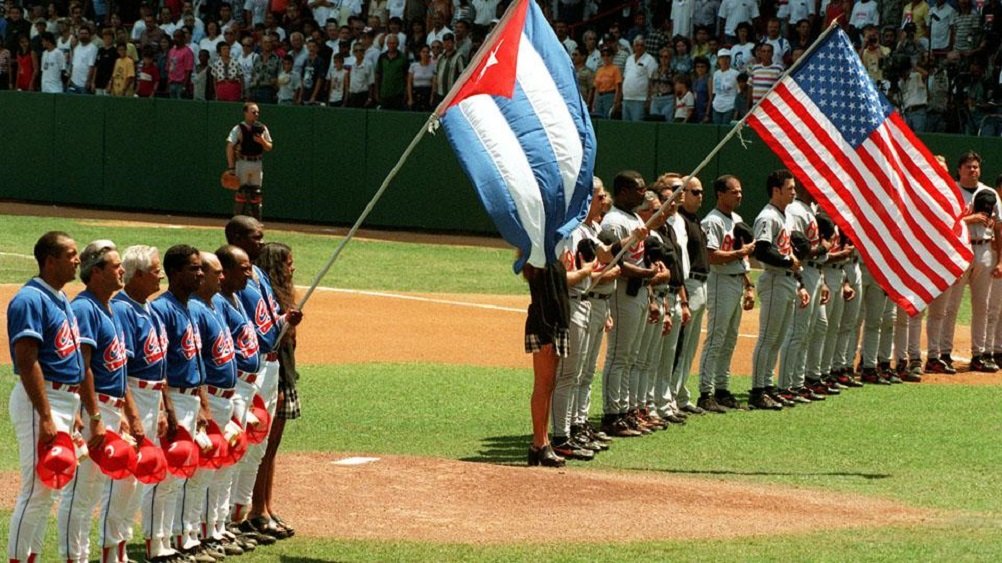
[(115, 359), (816, 299)]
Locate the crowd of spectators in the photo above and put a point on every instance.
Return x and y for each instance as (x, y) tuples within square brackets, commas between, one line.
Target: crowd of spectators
[(696, 61)]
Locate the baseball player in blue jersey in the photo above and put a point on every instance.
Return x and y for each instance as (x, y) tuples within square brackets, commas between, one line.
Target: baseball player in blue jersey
[(102, 343), (146, 346), (170, 511), (219, 358), (44, 340), (237, 270), (258, 300), (780, 289)]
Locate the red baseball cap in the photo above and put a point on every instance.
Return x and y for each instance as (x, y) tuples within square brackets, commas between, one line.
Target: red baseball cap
[(57, 461), (256, 433), (151, 464), (181, 453), (220, 452), (115, 457)]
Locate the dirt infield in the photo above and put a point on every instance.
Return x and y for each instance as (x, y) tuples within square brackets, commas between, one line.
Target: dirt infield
[(433, 500)]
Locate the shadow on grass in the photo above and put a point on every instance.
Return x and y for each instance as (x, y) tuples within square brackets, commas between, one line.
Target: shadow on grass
[(295, 559), (503, 450), (867, 476)]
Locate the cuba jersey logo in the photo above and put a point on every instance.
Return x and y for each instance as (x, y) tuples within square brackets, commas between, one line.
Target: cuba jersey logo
[(189, 347), (114, 356), (783, 243), (637, 251), (246, 343), (222, 349), (153, 347), (66, 339), (728, 243), (262, 318)]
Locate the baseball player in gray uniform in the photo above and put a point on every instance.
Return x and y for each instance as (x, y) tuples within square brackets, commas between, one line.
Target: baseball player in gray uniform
[(643, 376), (725, 297), (877, 328), (580, 254), (780, 289), (599, 321), (847, 340), (983, 227), (793, 360), (629, 304), (824, 338), (907, 345)]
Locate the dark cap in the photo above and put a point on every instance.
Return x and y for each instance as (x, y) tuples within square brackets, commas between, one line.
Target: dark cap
[(448, 37)]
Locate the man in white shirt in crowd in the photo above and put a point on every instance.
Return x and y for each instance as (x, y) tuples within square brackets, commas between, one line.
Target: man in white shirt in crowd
[(640, 68), (82, 66)]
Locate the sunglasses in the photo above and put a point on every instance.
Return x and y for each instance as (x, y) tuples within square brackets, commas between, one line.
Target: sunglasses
[(696, 192)]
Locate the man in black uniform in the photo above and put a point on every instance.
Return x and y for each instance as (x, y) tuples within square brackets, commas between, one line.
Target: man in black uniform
[(245, 146)]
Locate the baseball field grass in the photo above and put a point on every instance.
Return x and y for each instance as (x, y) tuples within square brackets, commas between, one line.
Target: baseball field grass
[(932, 447)]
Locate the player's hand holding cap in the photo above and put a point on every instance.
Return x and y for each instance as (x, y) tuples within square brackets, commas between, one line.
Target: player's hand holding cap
[(116, 457), (151, 464), (217, 455), (256, 433), (238, 443), (57, 461)]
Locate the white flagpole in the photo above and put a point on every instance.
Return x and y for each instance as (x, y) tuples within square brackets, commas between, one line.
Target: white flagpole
[(720, 145)]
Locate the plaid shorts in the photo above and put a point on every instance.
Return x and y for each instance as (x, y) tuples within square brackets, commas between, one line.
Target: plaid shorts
[(562, 343), (289, 408)]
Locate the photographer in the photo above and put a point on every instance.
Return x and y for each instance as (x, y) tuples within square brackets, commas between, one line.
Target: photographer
[(873, 54), (914, 96)]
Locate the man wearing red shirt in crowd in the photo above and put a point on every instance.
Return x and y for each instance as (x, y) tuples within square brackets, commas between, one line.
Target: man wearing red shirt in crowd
[(147, 75), (180, 63)]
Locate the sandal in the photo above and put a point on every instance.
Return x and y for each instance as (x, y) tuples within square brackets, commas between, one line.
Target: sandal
[(264, 526), (281, 524)]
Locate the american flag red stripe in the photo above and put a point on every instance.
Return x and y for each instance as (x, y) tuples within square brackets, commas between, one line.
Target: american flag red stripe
[(888, 193)]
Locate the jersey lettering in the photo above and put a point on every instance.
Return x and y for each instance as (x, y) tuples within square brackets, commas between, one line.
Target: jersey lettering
[(66, 340), (263, 319), (189, 349), (222, 349), (114, 355), (812, 233), (153, 348), (246, 342)]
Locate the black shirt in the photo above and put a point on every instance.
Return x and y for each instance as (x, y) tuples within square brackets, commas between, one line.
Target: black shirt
[(105, 66), (699, 261)]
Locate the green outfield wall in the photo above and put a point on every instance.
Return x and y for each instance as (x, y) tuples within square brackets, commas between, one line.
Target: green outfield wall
[(166, 156)]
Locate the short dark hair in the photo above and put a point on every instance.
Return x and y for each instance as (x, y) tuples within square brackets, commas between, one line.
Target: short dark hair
[(240, 226), (176, 258), (967, 157), (776, 180), (720, 184), (227, 255), (49, 244), (626, 180)]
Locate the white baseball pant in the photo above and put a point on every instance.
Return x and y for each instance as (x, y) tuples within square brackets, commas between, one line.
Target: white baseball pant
[(569, 368), (907, 336), (793, 359), (245, 474), (34, 500), (826, 328), (939, 339), (216, 510), (642, 374), (596, 325), (872, 319), (664, 393), (148, 403)]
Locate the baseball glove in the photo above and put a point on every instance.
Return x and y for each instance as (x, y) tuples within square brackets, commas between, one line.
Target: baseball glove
[(229, 180)]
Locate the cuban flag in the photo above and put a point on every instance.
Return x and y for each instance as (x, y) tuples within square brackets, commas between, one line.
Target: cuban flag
[(523, 135)]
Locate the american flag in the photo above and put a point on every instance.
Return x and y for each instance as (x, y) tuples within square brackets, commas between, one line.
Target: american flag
[(848, 146)]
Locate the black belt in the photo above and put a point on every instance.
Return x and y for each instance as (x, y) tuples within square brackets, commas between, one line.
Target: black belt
[(602, 296), (732, 275), (251, 158), (698, 276), (786, 273), (833, 265), (916, 107), (980, 242)]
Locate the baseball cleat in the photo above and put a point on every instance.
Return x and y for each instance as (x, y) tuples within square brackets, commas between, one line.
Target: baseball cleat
[(709, 403), (760, 400), (808, 394), (725, 399)]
